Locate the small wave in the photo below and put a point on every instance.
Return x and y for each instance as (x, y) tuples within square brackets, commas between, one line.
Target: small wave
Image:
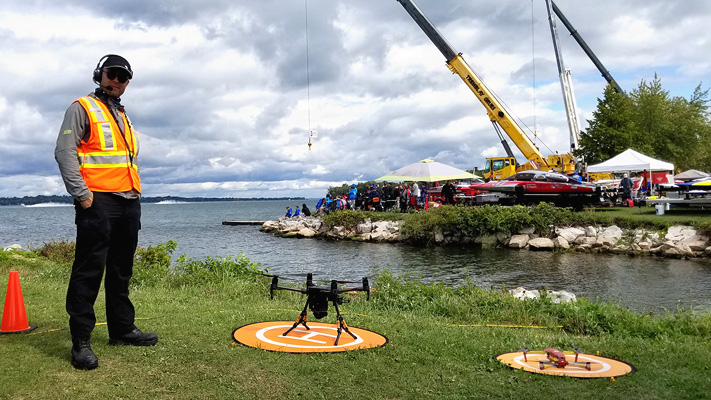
[(48, 205), (171, 202)]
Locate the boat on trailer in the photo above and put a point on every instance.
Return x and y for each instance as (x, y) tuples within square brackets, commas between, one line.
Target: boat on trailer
[(535, 186)]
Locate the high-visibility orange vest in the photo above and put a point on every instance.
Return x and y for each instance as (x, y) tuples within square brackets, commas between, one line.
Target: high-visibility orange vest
[(109, 160)]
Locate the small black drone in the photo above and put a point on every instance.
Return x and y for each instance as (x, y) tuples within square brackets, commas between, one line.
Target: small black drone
[(317, 300)]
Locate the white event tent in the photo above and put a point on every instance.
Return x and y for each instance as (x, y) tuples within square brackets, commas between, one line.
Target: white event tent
[(630, 160)]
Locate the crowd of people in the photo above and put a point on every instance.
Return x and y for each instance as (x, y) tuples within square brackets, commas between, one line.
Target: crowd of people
[(415, 196), (378, 197)]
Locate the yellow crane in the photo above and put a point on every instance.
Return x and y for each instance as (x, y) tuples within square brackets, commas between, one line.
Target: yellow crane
[(498, 167)]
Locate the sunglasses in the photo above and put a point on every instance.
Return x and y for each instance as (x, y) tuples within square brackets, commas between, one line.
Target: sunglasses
[(114, 73)]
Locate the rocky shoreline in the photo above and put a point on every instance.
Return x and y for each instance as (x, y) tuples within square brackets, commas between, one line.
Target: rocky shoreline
[(678, 242)]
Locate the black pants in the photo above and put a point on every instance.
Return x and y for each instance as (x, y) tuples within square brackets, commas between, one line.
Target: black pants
[(107, 236)]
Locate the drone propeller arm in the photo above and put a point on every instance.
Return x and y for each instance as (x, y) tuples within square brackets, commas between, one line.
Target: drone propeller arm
[(350, 289), (525, 349), (275, 286), (365, 287), (290, 289)]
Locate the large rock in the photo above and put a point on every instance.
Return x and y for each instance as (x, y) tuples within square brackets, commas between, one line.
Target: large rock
[(671, 252), (523, 293), (585, 240), (338, 232), (290, 225), (541, 244), (365, 227), (685, 250), (391, 227), (570, 234), (518, 241), (307, 232), (698, 244), (614, 233), (559, 296), (605, 241), (560, 243), (270, 225), (679, 233)]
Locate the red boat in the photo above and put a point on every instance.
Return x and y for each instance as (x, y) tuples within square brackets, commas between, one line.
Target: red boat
[(534, 186)]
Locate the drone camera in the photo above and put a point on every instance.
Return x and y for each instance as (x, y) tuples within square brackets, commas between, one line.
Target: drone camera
[(319, 306)]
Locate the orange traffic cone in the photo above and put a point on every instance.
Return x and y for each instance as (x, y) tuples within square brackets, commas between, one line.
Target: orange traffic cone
[(14, 317)]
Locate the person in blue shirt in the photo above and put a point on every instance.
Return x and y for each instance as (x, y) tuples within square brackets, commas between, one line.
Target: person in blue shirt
[(329, 202), (297, 212), (288, 212), (352, 194), (321, 205)]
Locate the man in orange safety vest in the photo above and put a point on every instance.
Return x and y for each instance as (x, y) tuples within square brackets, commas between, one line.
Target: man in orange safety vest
[(97, 153)]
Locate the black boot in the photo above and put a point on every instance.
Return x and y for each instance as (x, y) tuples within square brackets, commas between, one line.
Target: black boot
[(135, 338), (83, 356)]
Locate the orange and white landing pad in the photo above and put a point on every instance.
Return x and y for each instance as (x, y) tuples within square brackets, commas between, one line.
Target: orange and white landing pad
[(319, 338), (600, 367)]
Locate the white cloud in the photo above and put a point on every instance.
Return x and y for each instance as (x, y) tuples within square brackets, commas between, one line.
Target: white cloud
[(319, 170), (220, 92)]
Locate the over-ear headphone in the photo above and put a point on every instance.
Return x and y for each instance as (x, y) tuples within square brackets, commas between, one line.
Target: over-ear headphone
[(97, 70)]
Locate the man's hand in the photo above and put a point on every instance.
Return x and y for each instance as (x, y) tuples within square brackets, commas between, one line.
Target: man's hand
[(87, 203)]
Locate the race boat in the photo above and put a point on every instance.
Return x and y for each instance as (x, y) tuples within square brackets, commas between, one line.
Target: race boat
[(534, 186)]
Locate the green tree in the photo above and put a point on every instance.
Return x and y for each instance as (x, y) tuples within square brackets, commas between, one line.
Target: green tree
[(673, 129), (655, 133), (611, 131), (697, 120)]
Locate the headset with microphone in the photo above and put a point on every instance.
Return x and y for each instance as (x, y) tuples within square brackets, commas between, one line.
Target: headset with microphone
[(97, 70)]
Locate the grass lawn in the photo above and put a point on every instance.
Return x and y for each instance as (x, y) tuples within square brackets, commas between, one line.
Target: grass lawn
[(673, 216), (429, 355)]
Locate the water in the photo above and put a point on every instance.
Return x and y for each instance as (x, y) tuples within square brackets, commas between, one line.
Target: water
[(641, 284)]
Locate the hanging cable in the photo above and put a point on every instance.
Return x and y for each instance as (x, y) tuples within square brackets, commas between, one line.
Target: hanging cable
[(533, 65), (308, 78)]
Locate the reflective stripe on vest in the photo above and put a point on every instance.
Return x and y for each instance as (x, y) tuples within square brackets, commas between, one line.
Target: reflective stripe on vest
[(108, 163)]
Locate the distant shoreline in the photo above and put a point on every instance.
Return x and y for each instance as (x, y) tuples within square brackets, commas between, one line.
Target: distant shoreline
[(33, 200)]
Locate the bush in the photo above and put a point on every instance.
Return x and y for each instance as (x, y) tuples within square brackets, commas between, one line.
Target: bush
[(213, 270), (62, 251), (151, 265), (351, 218), (485, 220)]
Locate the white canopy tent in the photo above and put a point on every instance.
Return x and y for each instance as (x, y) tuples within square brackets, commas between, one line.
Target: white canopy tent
[(427, 171), (630, 160)]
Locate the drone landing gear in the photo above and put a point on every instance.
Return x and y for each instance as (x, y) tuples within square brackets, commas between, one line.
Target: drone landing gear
[(340, 322), (341, 325), (301, 320)]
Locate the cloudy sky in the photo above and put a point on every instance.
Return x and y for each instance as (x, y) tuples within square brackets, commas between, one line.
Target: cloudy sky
[(225, 92)]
